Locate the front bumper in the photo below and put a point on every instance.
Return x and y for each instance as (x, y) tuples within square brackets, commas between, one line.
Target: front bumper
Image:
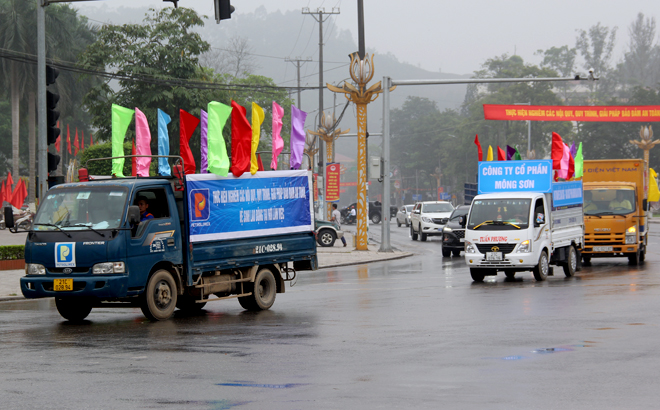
[(608, 250), (430, 229), (451, 241), (98, 286), (521, 261)]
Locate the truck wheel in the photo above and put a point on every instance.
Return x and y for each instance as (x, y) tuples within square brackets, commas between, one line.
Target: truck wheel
[(510, 274), (540, 271), (642, 254), (327, 238), (73, 309), (633, 258), (398, 224), (375, 218), (446, 253), (186, 303), (586, 259), (412, 233), (477, 274), (160, 297), (422, 237), (571, 264), (263, 291), (456, 252)]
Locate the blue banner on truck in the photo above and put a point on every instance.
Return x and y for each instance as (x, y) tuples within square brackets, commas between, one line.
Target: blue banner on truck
[(267, 203), (566, 193), (515, 176)]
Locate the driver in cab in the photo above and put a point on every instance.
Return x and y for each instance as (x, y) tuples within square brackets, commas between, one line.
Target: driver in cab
[(620, 203)]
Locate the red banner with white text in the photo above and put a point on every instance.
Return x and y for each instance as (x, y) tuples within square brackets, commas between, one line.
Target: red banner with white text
[(605, 113), (332, 180)]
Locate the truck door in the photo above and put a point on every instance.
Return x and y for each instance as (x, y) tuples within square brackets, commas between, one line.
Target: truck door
[(156, 238), (541, 225)]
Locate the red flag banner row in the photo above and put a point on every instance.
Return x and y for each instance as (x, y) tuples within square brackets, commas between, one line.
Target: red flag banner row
[(605, 113)]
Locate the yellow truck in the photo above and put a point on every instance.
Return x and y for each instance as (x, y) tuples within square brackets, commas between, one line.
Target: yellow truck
[(615, 209)]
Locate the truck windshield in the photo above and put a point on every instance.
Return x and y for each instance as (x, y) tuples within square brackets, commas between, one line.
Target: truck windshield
[(499, 214), (609, 201), (442, 207), (81, 208)]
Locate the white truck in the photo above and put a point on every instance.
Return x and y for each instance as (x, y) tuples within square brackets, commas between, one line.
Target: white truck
[(522, 221)]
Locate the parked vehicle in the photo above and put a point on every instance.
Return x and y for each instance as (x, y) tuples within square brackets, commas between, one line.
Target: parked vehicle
[(522, 221), (327, 233), (429, 218), (403, 216), (615, 209), (209, 236), (453, 234), (375, 215)]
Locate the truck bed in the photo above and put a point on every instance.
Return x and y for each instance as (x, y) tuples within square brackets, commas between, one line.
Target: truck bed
[(567, 225)]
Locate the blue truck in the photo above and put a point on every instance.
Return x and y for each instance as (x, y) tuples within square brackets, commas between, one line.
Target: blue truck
[(201, 238)]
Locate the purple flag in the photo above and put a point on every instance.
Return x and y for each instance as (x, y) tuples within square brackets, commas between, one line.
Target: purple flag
[(573, 150), (510, 152), (297, 143), (205, 150)]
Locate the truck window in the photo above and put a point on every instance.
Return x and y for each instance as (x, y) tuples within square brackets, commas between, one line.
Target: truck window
[(499, 214), (539, 213), (609, 201)]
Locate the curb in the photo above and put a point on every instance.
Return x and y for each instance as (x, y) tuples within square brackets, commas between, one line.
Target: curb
[(405, 255), (12, 298)]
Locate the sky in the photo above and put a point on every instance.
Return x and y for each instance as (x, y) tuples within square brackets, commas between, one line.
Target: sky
[(449, 36)]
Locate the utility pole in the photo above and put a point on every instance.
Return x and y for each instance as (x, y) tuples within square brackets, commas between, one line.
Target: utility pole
[(42, 145), (298, 62), (322, 157)]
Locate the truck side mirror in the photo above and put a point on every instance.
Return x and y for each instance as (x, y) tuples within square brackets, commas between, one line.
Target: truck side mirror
[(9, 218), (133, 215), (645, 204), (461, 220)]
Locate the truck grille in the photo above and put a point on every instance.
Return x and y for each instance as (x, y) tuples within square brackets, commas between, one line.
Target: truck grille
[(504, 247), (597, 239), (440, 221), (460, 233)]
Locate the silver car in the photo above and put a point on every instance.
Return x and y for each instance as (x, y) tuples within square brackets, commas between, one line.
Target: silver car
[(403, 216)]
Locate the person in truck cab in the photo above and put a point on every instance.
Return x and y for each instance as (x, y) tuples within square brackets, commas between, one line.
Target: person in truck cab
[(143, 204), (589, 205), (620, 202)]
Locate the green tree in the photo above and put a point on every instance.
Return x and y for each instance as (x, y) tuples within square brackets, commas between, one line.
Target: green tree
[(595, 47), (640, 62), (562, 60)]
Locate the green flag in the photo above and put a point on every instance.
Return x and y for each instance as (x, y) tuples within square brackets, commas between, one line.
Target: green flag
[(517, 156), (579, 162), (121, 119), (217, 150)]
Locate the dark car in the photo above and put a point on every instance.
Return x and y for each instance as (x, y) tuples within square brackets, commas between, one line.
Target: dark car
[(453, 234), (374, 212)]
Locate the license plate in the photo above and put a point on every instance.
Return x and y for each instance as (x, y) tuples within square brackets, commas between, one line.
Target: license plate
[(603, 249), (62, 284), (462, 239), (493, 256)]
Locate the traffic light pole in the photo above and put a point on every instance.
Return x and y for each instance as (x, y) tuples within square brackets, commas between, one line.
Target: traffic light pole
[(42, 147)]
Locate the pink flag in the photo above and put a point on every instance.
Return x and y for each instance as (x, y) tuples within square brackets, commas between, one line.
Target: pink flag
[(564, 171), (278, 142), (143, 146), (297, 142)]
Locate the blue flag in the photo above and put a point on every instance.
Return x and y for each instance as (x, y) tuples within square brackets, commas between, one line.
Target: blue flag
[(163, 143)]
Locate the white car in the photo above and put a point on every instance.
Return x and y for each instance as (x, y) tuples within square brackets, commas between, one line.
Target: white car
[(403, 216), (429, 218)]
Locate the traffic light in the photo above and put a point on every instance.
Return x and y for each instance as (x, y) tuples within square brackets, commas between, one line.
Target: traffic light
[(223, 10), (52, 115)]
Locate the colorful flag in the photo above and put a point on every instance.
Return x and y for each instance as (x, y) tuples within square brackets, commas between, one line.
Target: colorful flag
[(75, 143), (579, 162), (654, 193), (2, 193), (259, 163), (501, 155), (278, 142), (479, 151), (517, 156), (133, 160), (19, 195), (567, 164), (58, 143), (241, 140), (217, 148), (573, 149), (297, 142), (91, 139), (257, 120), (204, 146), (68, 139), (143, 143), (510, 153), (187, 125), (489, 155), (9, 186), (163, 144), (557, 152), (121, 119)]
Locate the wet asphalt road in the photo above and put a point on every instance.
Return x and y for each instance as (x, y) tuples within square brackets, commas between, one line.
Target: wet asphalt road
[(413, 333)]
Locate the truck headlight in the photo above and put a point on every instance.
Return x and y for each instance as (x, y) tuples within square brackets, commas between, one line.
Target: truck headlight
[(632, 229), (631, 235), (426, 219), (524, 247), (34, 269), (446, 229), (109, 267), (469, 247)]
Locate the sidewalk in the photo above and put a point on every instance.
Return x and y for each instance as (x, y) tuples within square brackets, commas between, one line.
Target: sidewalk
[(10, 288)]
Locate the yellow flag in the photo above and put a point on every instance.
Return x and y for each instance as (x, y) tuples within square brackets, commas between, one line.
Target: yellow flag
[(489, 157), (257, 119), (654, 193)]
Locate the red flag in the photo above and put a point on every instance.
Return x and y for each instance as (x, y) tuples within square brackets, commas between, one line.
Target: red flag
[(82, 140), (68, 138), (259, 163), (75, 143), (19, 195), (481, 153), (557, 151), (8, 187), (501, 155), (571, 165), (133, 161), (58, 143), (2, 193), (241, 140), (187, 125), (91, 139)]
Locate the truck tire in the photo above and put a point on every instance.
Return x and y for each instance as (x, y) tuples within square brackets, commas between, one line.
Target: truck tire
[(633, 258), (186, 303), (422, 236), (478, 275), (326, 238), (160, 297), (73, 309), (375, 217), (586, 259), (263, 291), (571, 264), (510, 274), (446, 253), (398, 224), (413, 235), (456, 252), (540, 271), (642, 254)]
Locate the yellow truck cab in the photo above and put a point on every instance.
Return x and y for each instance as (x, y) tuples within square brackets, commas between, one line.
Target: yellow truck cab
[(615, 209)]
